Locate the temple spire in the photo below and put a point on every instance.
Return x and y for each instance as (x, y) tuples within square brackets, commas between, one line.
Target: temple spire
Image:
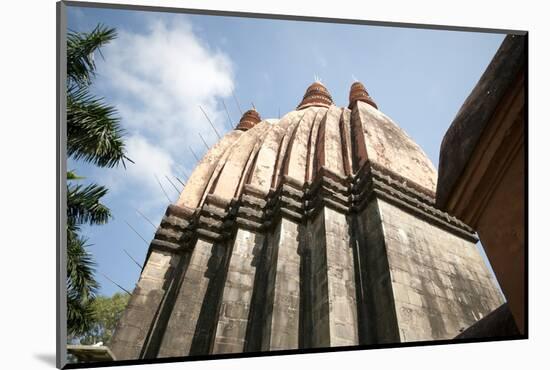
[(249, 119), (316, 95), (359, 93)]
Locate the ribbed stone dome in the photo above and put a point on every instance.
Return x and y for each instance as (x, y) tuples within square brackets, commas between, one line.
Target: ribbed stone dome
[(314, 230), (318, 135)]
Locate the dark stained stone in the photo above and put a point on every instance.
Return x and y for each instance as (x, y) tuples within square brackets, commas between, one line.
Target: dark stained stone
[(499, 323), (462, 136)]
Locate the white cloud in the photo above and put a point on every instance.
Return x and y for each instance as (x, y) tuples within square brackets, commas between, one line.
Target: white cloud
[(161, 77), (152, 161), (157, 79)]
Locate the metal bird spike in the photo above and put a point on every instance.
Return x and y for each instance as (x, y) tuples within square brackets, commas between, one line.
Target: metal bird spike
[(108, 278), (237, 102), (211, 124), (228, 116), (133, 259), (162, 188), (204, 142), (186, 174), (145, 217), (181, 182), (253, 106), (171, 183), (180, 168), (138, 234), (194, 155)]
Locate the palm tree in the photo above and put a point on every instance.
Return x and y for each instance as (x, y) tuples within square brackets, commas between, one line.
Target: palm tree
[(94, 135)]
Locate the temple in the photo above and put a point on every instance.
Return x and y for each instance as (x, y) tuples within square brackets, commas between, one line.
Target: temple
[(315, 230)]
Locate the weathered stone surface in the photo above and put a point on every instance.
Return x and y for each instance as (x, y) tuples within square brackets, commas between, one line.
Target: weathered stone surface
[(390, 147), (315, 230), (282, 305), (499, 323), (329, 143), (234, 166), (266, 161), (139, 316), (334, 307), (190, 323), (237, 294), (296, 158), (378, 320), (438, 282), (482, 162), (302, 142), (461, 138), (196, 186)]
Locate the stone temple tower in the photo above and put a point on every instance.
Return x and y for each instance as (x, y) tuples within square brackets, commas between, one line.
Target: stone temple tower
[(318, 229)]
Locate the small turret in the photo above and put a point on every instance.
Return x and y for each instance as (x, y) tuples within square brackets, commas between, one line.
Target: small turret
[(359, 93), (316, 95)]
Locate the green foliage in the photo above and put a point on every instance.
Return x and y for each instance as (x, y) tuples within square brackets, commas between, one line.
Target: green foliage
[(80, 268), (81, 284), (80, 53), (71, 175), (107, 311), (93, 130), (79, 315), (94, 135), (84, 206)]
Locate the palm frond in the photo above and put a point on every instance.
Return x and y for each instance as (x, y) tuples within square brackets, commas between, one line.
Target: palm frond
[(84, 206), (81, 285), (71, 175), (94, 133), (80, 316), (80, 268), (80, 53)]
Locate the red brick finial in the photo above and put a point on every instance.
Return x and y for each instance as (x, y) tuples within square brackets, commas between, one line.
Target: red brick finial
[(316, 95), (249, 119), (359, 93)]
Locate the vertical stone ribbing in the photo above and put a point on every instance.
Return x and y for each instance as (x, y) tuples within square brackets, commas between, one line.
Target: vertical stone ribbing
[(318, 286), (189, 326), (341, 280), (133, 327), (197, 184), (334, 303), (282, 305), (329, 153), (306, 289), (379, 308), (236, 300), (158, 327), (397, 270)]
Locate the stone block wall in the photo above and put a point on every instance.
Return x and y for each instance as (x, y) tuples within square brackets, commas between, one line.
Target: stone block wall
[(281, 322), (134, 326), (433, 283), (380, 274), (189, 328), (316, 230), (237, 293)]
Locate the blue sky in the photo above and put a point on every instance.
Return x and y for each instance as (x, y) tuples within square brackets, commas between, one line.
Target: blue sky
[(162, 67)]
